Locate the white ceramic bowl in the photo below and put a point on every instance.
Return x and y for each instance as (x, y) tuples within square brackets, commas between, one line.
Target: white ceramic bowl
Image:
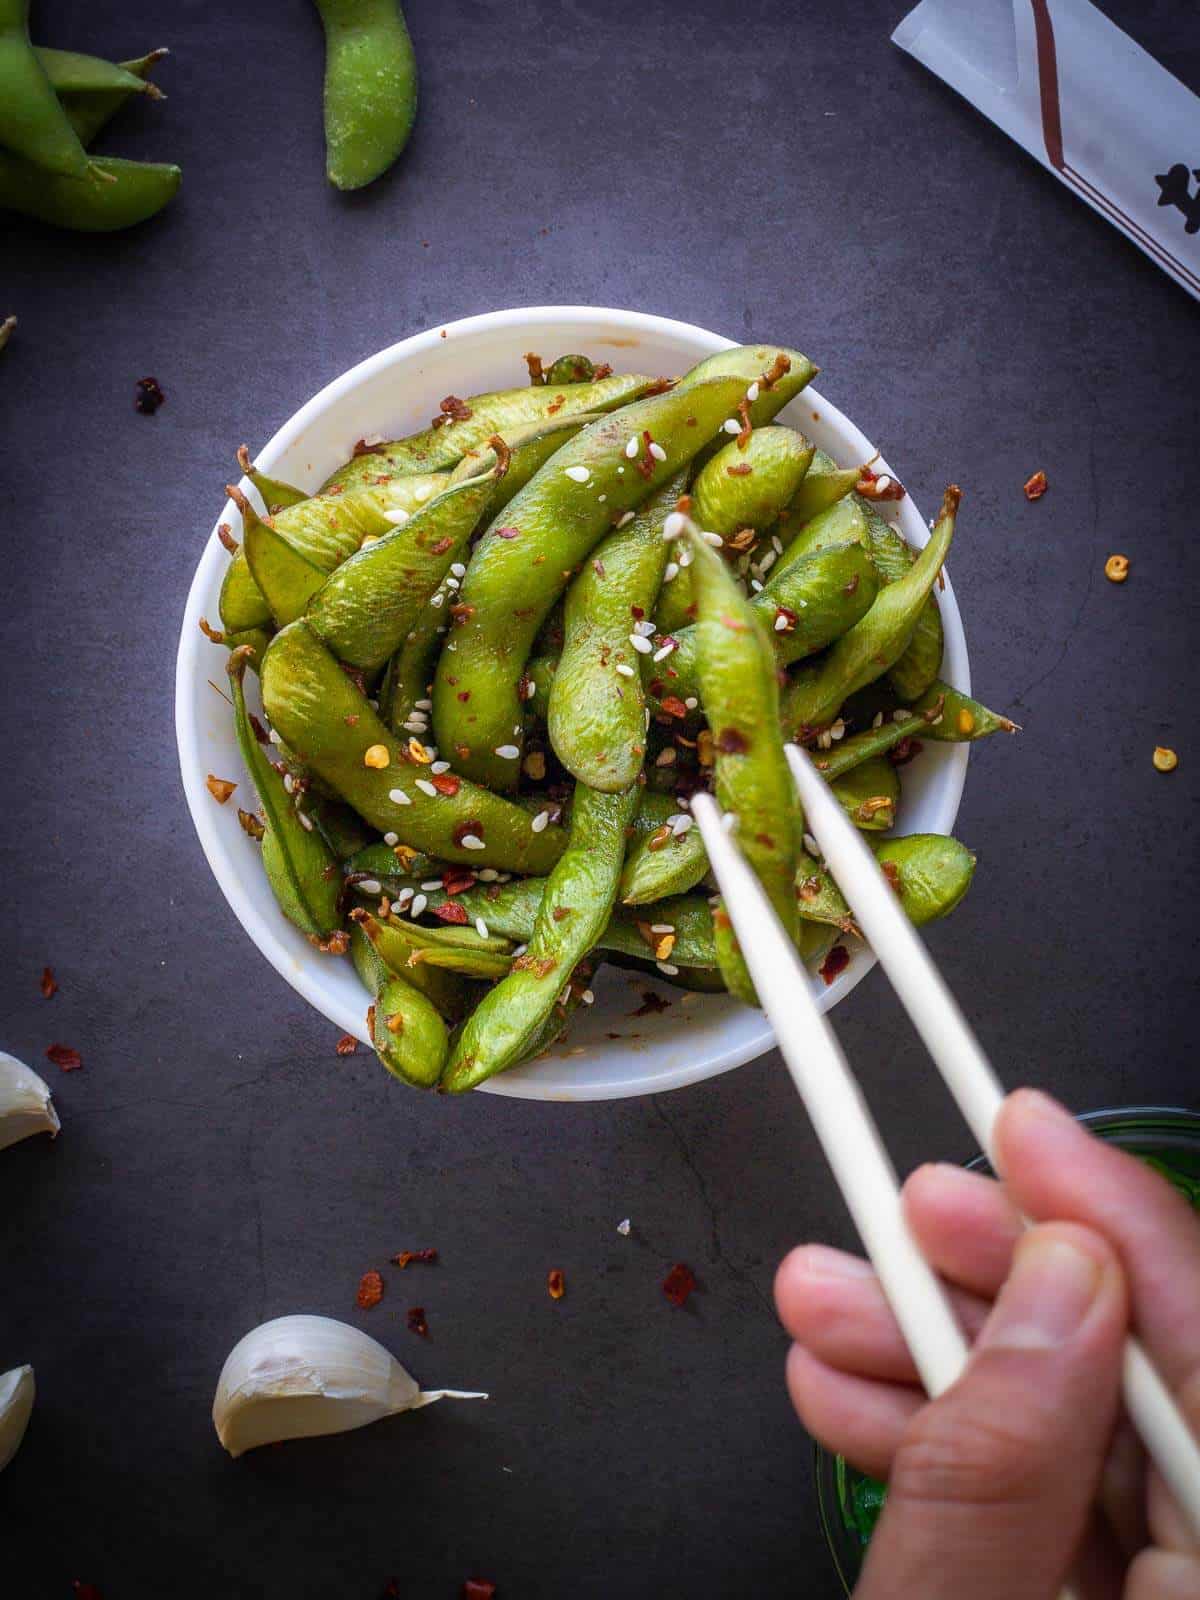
[(394, 393)]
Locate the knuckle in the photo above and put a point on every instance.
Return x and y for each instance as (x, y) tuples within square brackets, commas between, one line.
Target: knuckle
[(957, 1452)]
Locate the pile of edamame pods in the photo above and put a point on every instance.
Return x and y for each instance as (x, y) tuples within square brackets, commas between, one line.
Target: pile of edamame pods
[(53, 104), (497, 657)]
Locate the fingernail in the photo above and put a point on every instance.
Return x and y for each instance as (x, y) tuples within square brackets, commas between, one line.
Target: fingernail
[(822, 1262), (1049, 1292)]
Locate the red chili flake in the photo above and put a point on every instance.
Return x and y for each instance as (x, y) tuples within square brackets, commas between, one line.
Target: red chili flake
[(351, 719), (651, 1003), (355, 676), (219, 788), (1036, 487), (370, 1290), (337, 943), (86, 1591), (556, 405), (63, 1056), (346, 1045), (424, 1257), (556, 1283), (149, 397), (442, 545), (251, 824), (260, 733), (457, 880), (462, 829), (869, 485), (362, 448), (508, 533), (836, 961), (904, 752), (637, 613), (464, 695), (462, 612), (732, 742), (537, 373), (891, 872), (478, 1589), (645, 462), (743, 411), (391, 1589), (416, 1321), (672, 706), (790, 619), (445, 782), (743, 469), (49, 984), (604, 370), (598, 569), (452, 911), (678, 1284), (561, 913), (456, 409)]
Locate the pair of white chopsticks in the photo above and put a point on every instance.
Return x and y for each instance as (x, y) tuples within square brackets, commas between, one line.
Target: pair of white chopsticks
[(844, 1125)]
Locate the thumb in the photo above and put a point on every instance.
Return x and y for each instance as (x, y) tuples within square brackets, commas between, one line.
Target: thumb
[(991, 1487)]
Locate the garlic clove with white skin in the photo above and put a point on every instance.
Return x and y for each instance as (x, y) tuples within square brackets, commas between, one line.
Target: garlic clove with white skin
[(16, 1407), (296, 1377), (25, 1104)]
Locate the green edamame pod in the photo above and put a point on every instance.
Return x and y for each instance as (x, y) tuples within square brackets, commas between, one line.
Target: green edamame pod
[(529, 448), (409, 1036), (949, 715), (816, 941), (92, 91), (869, 794), (367, 605), (300, 868), (243, 604), (740, 694), (33, 125), (527, 556), (372, 970), (404, 694), (844, 522), (663, 862), (370, 88), (277, 494), (748, 485), (597, 711), (570, 369), (804, 606), (412, 952), (321, 715), (575, 908), (327, 528), (921, 660), (773, 375), (871, 646), (501, 412), (284, 578), (821, 487), (930, 872), (128, 192)]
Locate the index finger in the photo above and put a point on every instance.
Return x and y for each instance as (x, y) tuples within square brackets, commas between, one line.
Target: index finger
[(1054, 1169)]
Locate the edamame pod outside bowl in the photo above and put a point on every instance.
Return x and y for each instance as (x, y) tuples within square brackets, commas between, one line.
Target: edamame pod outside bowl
[(396, 392), (1166, 1138)]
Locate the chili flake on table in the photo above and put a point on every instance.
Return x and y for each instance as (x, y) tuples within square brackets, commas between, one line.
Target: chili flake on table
[(49, 984), (678, 1284), (346, 1045), (63, 1056), (403, 1258), (556, 1283), (1036, 486), (370, 1290), (416, 1321)]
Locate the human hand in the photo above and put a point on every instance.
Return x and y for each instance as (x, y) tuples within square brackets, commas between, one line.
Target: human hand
[(1024, 1473)]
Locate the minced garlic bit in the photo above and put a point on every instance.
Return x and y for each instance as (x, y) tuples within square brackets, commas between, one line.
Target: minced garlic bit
[(1165, 760), (1116, 569), (377, 756)]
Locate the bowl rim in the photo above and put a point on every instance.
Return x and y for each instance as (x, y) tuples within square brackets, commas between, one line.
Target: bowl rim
[(753, 1042)]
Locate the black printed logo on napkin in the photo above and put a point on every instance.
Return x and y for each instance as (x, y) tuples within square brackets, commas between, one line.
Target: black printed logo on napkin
[(1174, 189)]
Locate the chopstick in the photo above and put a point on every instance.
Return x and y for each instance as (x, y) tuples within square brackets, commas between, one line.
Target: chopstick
[(969, 1076)]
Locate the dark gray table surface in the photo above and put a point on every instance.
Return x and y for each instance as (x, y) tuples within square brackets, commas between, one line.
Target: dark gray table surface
[(766, 171)]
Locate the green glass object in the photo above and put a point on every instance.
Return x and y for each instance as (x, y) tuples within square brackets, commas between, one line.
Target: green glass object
[(1167, 1139)]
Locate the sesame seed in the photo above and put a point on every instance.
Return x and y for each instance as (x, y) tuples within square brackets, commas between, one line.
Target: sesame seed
[(838, 730), (641, 644), (397, 518), (709, 537), (487, 874), (665, 758), (418, 905), (426, 788), (667, 968), (623, 1227), (373, 438), (539, 822), (733, 425), (452, 583), (624, 669), (664, 651), (402, 899), (391, 838), (437, 767), (398, 797), (481, 928), (767, 562), (752, 392), (777, 544), (644, 628), (370, 886), (685, 558), (756, 585), (520, 950), (564, 994), (631, 449), (507, 752), (274, 737), (882, 482), (289, 783), (825, 740), (472, 841), (459, 571), (877, 720), (530, 689), (626, 517), (416, 724), (600, 499), (437, 599), (681, 826), (673, 524), (901, 716), (588, 997), (304, 819), (422, 705), (657, 451), (714, 900), (620, 472), (662, 927), (691, 702), (781, 623), (578, 474), (672, 571), (811, 845)]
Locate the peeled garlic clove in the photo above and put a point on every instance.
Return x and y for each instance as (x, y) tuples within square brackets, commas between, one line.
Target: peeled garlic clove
[(297, 1377), (16, 1408), (25, 1104)]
